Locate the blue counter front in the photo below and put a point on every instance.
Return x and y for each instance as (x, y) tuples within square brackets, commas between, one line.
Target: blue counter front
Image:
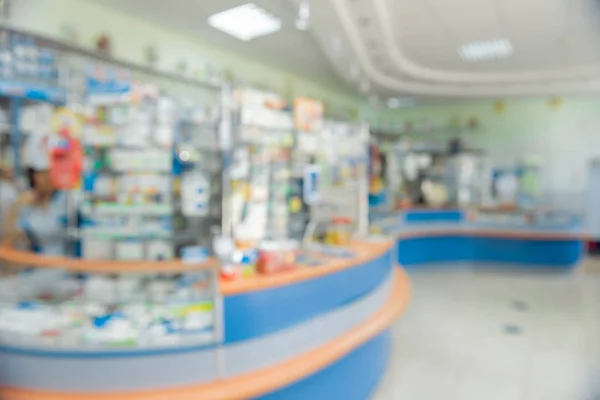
[(446, 236), (294, 335)]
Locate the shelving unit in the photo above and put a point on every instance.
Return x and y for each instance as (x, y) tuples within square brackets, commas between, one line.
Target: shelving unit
[(171, 308), (199, 166), (127, 193), (341, 154), (264, 145)]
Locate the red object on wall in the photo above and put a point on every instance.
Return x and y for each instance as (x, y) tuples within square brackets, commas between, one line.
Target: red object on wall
[(66, 162)]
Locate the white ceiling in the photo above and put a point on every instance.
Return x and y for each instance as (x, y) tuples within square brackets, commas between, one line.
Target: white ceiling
[(546, 34), (408, 48)]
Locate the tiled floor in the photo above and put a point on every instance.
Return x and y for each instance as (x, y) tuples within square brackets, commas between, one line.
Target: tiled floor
[(497, 336)]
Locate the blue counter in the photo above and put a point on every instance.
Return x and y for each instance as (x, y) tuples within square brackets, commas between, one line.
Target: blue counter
[(446, 236), (271, 323)]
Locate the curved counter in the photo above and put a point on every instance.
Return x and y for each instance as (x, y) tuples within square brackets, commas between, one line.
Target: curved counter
[(296, 334), (446, 236)]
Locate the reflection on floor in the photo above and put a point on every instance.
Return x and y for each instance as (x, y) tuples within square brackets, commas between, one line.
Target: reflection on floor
[(497, 336)]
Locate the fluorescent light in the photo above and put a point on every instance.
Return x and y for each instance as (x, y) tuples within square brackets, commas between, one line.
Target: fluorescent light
[(245, 22), (486, 50)]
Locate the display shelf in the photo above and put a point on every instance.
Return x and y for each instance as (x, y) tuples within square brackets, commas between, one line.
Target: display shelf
[(264, 141), (127, 180), (32, 91), (200, 167), (128, 209), (82, 306)]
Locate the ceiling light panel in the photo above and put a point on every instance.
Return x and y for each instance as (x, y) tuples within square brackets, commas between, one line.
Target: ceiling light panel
[(486, 50), (245, 22)]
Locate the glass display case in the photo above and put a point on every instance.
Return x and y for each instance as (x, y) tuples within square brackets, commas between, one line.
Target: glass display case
[(534, 218), (91, 305)]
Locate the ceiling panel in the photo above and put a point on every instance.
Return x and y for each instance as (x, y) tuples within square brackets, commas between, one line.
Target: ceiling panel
[(546, 34), (408, 10), (462, 6)]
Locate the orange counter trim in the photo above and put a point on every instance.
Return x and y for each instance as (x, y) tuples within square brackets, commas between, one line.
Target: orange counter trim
[(265, 380), (22, 259), (365, 252)]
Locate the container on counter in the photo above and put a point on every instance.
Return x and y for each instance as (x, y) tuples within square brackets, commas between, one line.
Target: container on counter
[(276, 256), (341, 232)]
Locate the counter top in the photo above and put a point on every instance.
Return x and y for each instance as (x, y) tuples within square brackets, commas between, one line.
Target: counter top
[(396, 224), (468, 229), (363, 252), (24, 259)]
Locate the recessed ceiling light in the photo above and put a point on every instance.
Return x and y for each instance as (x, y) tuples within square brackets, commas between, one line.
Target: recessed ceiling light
[(486, 50), (245, 22)]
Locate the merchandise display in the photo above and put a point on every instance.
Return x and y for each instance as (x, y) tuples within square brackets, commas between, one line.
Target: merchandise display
[(56, 309), (292, 187), (343, 187), (192, 219), (153, 171), (198, 172), (423, 174), (22, 59), (127, 189), (265, 140)]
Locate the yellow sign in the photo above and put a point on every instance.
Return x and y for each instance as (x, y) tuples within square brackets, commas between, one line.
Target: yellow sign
[(295, 205), (500, 107), (555, 103), (308, 114), (65, 118)]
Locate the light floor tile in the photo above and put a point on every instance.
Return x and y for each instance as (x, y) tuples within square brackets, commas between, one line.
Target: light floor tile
[(485, 335)]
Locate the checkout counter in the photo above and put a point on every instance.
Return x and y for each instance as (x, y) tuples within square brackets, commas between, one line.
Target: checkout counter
[(517, 239), (297, 334)]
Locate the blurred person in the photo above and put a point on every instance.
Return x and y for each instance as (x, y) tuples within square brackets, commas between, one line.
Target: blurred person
[(8, 194), (38, 217)]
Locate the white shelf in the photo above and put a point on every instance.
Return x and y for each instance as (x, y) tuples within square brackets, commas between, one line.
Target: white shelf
[(117, 232), (129, 210)]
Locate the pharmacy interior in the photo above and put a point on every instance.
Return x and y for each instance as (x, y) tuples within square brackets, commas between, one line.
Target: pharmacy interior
[(193, 217)]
